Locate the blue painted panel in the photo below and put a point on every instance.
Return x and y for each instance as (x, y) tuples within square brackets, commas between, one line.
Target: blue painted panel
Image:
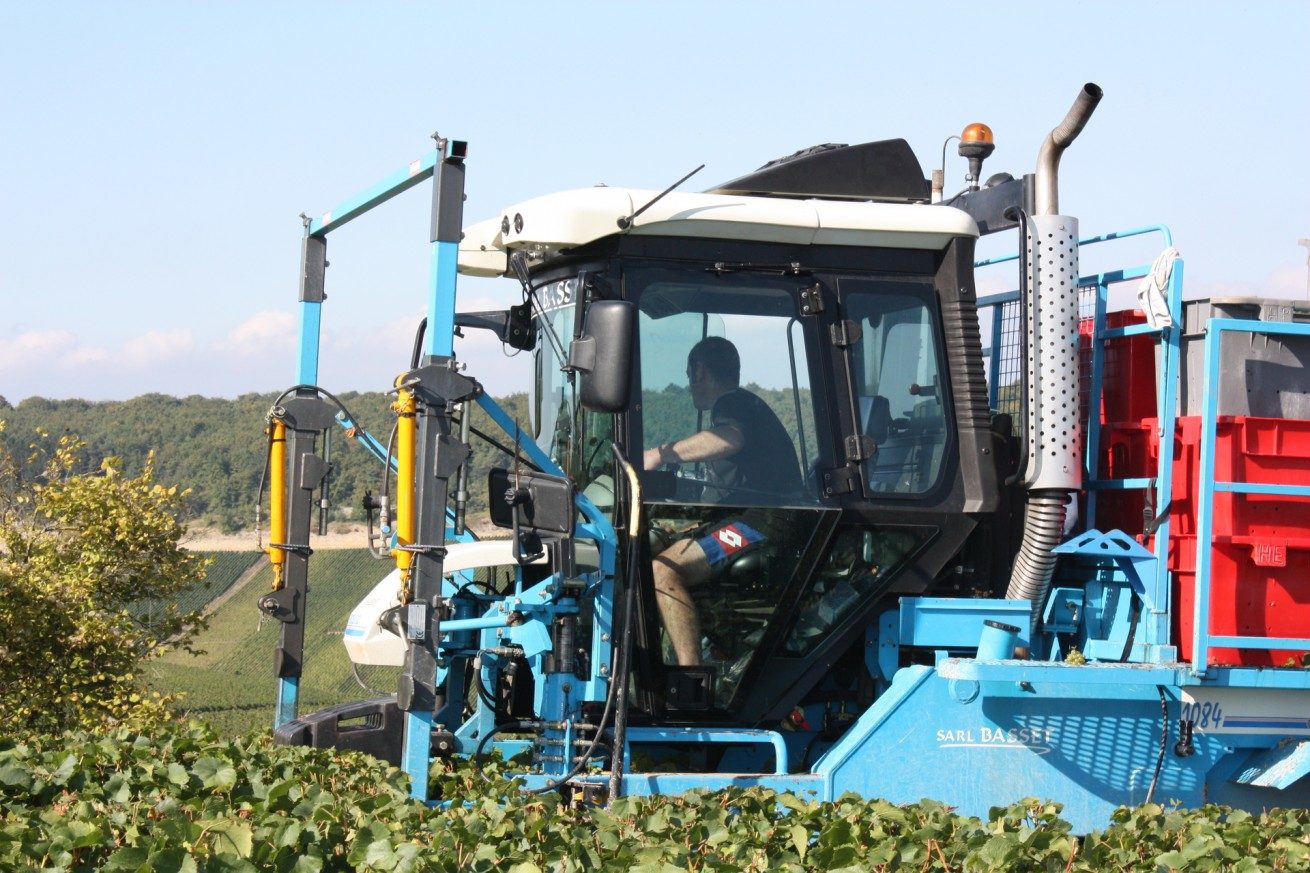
[(441, 301), (957, 623), (1279, 767), (311, 315), (414, 755), (1093, 748), (646, 784), (288, 691)]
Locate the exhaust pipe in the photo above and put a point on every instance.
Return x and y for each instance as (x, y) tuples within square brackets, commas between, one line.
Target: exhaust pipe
[(1055, 438), (1046, 182)]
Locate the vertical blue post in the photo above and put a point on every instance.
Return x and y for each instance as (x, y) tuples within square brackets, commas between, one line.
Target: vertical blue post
[(447, 226), (311, 315), (441, 299), (1205, 501)]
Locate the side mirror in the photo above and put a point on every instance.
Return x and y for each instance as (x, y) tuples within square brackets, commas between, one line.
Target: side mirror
[(602, 355)]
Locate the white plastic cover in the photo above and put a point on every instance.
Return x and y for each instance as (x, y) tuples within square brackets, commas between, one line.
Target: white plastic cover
[(368, 643)]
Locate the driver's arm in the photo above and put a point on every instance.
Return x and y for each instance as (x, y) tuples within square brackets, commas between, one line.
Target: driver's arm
[(721, 441)]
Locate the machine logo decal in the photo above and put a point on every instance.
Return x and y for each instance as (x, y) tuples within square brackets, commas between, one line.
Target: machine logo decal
[(1036, 740)]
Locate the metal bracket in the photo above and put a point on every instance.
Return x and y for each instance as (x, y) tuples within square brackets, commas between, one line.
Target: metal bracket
[(860, 448), (839, 480), (846, 333), (1114, 546), (812, 300)]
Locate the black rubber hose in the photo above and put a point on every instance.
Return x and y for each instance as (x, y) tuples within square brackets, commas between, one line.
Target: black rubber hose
[(1164, 740), (1024, 266), (263, 480), (417, 354), (625, 636)]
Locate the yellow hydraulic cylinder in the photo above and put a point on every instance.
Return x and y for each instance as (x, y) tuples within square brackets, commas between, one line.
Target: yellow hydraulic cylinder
[(277, 493), (406, 448)]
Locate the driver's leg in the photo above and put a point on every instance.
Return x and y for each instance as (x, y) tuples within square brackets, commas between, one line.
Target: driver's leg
[(681, 566)]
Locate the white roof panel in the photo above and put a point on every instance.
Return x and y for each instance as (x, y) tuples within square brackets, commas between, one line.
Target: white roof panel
[(546, 225)]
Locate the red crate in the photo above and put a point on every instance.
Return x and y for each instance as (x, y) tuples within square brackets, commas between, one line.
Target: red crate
[(1127, 451), (1128, 375), (1258, 588), (1260, 564), (1272, 451)]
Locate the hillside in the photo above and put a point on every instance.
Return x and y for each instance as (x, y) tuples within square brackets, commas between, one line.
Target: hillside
[(216, 447), (232, 686)]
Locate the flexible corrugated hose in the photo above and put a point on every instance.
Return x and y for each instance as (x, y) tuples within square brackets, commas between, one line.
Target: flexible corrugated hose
[(1043, 529)]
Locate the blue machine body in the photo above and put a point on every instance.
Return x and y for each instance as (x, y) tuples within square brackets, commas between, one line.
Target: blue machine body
[(955, 716)]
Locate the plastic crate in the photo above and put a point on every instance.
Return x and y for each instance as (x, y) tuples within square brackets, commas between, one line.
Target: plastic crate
[(1127, 451), (1257, 588), (1128, 373), (1262, 375), (1259, 450), (1260, 565)]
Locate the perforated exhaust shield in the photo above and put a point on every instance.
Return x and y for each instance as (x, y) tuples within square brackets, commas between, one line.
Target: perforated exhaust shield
[(1055, 436)]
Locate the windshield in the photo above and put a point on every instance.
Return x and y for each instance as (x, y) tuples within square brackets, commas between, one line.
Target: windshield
[(725, 358)]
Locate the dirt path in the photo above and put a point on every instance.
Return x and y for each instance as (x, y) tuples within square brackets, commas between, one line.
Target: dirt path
[(213, 540), (339, 537)]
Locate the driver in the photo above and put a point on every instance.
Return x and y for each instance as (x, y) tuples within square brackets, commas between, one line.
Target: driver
[(749, 454)]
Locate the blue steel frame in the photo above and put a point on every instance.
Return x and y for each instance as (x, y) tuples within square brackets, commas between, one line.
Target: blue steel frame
[(444, 267), (1202, 639), (1155, 631)]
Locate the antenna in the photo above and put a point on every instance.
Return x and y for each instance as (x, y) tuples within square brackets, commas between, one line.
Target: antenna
[(626, 223)]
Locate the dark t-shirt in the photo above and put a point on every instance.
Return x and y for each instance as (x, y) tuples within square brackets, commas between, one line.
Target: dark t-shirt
[(766, 465)]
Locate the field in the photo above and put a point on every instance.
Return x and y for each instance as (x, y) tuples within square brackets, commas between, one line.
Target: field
[(231, 685)]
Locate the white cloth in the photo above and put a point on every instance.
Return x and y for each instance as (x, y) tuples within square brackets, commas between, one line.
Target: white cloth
[(1153, 293)]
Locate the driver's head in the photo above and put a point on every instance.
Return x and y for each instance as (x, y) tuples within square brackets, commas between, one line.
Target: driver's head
[(713, 369)]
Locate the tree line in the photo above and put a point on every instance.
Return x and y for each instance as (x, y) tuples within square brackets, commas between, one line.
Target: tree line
[(216, 447)]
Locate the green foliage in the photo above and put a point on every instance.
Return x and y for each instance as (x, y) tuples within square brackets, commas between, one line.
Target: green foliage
[(182, 799), (81, 555), (217, 446)]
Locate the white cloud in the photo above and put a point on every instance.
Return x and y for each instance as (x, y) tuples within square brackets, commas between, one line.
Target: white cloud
[(56, 363), (271, 329), (36, 348), (157, 346), (1287, 281)]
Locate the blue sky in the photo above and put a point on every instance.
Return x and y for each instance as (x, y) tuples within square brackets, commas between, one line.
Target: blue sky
[(155, 156)]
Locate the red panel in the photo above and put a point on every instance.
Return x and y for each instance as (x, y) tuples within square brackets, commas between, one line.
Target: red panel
[(1260, 565)]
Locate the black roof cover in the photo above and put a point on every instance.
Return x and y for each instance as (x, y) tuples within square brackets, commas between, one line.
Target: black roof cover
[(883, 170)]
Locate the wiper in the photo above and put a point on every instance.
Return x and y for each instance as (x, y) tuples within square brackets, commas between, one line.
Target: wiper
[(519, 263), (792, 269)]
